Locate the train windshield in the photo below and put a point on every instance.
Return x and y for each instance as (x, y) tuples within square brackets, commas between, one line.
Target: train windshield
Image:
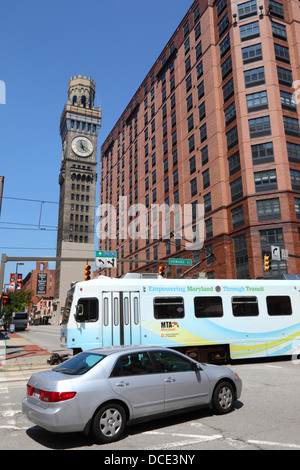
[(67, 308)]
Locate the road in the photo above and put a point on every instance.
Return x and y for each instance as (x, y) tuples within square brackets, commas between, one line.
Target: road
[(45, 336), (267, 416)]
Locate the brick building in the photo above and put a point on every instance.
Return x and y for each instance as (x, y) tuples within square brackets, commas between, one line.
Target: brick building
[(215, 122), (41, 282)]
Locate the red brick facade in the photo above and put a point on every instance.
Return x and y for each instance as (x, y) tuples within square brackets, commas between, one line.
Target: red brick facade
[(215, 122)]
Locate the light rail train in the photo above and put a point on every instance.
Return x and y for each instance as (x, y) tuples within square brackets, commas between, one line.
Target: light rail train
[(209, 320)]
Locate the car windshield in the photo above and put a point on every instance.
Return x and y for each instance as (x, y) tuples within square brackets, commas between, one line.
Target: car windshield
[(79, 364)]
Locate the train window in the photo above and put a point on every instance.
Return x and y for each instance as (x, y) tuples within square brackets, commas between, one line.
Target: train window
[(208, 307), (87, 310), (126, 311), (136, 310), (279, 305), (116, 311), (168, 307), (105, 311), (244, 306)]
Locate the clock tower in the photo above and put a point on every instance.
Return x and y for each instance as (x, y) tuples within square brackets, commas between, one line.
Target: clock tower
[(79, 126)]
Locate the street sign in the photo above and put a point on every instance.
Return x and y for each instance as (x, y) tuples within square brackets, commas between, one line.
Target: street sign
[(275, 253), (180, 262), (284, 254), (106, 259)]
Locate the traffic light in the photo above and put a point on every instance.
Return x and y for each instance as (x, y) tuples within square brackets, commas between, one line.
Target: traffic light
[(87, 272), (6, 300), (161, 270), (267, 266)]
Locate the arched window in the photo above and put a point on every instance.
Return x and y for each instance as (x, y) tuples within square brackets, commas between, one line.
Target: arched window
[(83, 101), (74, 100)]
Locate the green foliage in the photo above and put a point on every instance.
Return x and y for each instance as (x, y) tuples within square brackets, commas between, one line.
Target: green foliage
[(19, 300)]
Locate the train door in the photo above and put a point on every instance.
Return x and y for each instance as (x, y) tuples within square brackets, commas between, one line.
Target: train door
[(121, 319)]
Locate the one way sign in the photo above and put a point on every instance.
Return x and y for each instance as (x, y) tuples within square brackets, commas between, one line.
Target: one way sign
[(275, 253)]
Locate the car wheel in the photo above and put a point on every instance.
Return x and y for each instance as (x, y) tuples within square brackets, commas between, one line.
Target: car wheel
[(109, 423), (223, 398)]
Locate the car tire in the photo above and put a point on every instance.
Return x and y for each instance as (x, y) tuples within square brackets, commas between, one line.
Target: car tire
[(223, 398), (109, 423)]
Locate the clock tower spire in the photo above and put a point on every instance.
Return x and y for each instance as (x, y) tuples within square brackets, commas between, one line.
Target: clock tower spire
[(79, 126)]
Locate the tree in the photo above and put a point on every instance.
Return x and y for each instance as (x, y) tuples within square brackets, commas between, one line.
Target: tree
[(19, 300)]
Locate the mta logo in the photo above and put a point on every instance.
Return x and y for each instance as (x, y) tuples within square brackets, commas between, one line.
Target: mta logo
[(2, 92)]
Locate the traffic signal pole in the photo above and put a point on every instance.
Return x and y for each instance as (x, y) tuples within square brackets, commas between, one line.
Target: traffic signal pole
[(5, 259)]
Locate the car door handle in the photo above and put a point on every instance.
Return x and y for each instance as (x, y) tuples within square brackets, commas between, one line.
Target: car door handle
[(169, 380), (122, 384)]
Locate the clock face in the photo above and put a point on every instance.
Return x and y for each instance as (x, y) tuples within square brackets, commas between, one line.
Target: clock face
[(82, 146)]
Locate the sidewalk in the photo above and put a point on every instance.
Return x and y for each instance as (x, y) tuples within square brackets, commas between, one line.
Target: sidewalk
[(20, 358)]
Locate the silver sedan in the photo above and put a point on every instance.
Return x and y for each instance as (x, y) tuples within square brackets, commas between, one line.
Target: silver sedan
[(101, 390)]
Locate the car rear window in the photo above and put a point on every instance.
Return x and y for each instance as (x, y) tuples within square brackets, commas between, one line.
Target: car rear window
[(79, 364)]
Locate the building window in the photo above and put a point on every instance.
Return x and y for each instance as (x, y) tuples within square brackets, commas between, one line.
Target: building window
[(200, 89), (288, 101), (241, 257), (228, 90), (237, 217), (273, 237), (257, 101), (276, 9), (189, 102), (223, 25), (234, 164), (193, 184), (226, 67), (285, 76), (203, 133), (279, 31), (247, 9), (207, 202), (206, 178), (236, 189), (197, 31), (221, 5), (225, 46), (295, 179), (297, 207), (293, 152), (188, 83), (202, 113), (204, 155), (190, 122), (230, 113), (254, 77), (265, 180), (268, 209), (282, 53), (232, 138), (208, 228), (191, 143), (192, 165), (252, 53), (198, 51), (199, 69), (249, 31), (262, 153), (291, 126), (259, 127)]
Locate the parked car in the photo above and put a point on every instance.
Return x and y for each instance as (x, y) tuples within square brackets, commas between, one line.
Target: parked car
[(101, 390)]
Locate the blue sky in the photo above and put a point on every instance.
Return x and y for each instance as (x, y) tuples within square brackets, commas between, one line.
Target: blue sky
[(43, 44)]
